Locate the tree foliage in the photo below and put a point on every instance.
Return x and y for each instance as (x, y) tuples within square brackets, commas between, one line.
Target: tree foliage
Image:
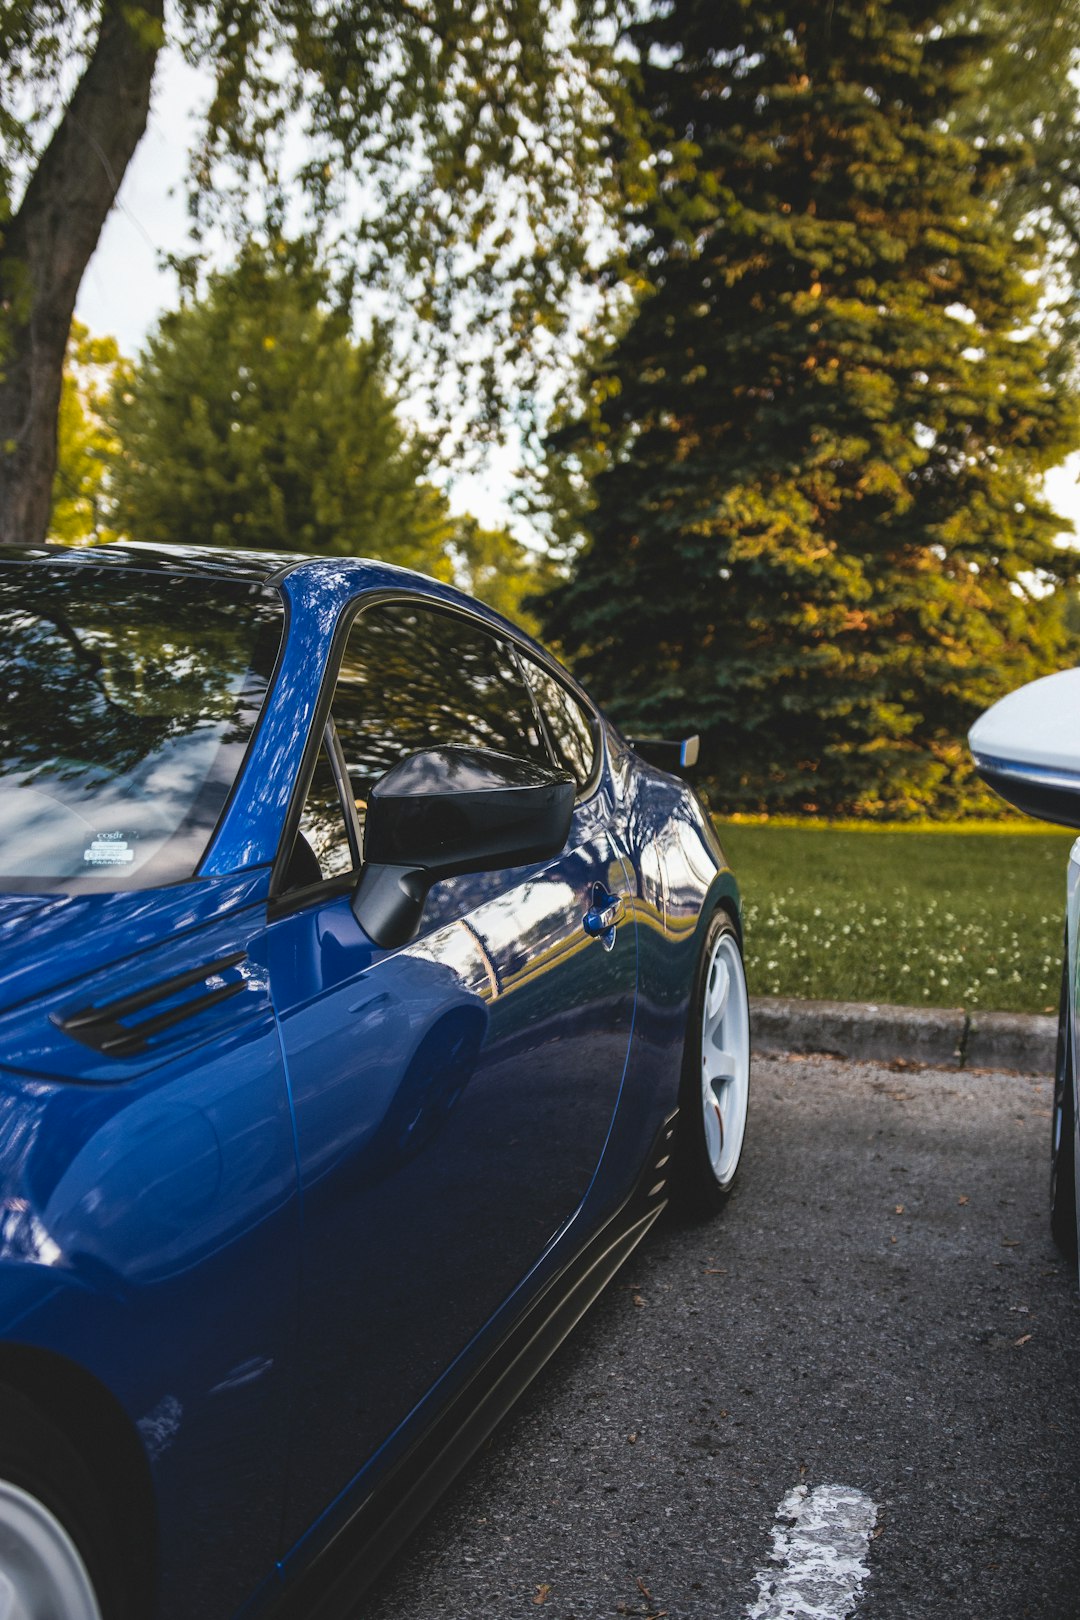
[(1024, 99), (819, 537), (493, 565), (87, 446), (454, 158), (254, 419)]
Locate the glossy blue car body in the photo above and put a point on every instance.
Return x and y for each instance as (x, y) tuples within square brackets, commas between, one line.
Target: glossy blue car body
[(259, 1266)]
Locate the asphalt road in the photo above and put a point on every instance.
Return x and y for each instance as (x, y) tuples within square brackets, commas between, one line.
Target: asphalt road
[(880, 1306)]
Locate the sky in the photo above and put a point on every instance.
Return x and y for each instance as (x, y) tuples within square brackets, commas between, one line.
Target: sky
[(125, 288)]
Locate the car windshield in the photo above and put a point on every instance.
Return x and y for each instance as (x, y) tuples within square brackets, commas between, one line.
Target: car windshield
[(127, 703)]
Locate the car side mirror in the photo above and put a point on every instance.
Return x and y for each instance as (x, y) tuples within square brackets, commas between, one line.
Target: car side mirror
[(444, 811), (1027, 747)]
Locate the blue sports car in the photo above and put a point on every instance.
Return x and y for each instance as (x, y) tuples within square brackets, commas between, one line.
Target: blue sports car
[(364, 997)]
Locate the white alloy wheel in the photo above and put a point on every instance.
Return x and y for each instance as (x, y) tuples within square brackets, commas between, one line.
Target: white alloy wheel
[(725, 1056), (42, 1575)]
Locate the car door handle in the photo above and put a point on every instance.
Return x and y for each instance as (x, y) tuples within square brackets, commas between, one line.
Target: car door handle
[(603, 916)]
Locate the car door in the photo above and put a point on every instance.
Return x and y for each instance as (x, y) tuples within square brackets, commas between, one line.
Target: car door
[(452, 1098)]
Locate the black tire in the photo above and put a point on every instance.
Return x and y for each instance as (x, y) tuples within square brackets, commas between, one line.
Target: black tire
[(1063, 1133), (696, 1191), (39, 1460)]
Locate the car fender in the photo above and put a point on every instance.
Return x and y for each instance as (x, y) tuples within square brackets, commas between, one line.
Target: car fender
[(682, 878)]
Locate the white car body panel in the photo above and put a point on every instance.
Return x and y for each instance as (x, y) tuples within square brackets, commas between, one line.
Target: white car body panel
[(1027, 747), (1037, 725)]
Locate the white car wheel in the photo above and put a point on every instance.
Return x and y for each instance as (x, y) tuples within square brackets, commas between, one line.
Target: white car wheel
[(42, 1575), (725, 1057), (715, 1092)]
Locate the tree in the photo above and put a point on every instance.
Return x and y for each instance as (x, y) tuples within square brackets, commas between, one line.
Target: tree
[(86, 445), (493, 565), (49, 236), (819, 538), (1024, 98), (254, 419), (461, 145)]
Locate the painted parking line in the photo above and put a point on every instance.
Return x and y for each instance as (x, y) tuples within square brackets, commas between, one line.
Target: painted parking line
[(818, 1560)]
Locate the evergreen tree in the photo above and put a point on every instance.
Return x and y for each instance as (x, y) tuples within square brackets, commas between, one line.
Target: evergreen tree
[(819, 538), (254, 419)]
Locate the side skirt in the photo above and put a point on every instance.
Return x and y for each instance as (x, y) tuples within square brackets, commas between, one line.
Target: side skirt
[(329, 1588)]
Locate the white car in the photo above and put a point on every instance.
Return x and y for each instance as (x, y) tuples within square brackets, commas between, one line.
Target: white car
[(1027, 748)]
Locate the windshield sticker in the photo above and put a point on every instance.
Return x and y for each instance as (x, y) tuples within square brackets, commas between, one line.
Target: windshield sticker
[(109, 849)]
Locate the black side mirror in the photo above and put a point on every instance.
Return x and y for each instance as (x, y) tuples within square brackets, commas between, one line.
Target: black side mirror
[(449, 810)]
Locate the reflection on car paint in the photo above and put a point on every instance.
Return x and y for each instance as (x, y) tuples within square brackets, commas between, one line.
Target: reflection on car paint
[(520, 1118), (160, 1427), (23, 1235)]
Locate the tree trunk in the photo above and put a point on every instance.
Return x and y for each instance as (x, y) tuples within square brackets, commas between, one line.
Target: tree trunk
[(48, 245)]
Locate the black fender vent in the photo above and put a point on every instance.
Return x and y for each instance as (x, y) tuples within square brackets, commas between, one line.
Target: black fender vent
[(117, 1030)]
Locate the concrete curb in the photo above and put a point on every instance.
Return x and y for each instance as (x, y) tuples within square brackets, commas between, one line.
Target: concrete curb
[(944, 1037)]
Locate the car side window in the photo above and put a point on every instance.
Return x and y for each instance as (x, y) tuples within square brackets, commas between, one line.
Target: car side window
[(569, 726), (323, 822), (413, 678), (325, 845), (410, 678)]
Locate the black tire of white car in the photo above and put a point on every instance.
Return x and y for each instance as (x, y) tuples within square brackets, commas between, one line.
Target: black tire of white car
[(1063, 1133), (60, 1556), (714, 1091)]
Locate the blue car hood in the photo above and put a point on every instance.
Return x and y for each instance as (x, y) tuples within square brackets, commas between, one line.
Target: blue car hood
[(48, 940)]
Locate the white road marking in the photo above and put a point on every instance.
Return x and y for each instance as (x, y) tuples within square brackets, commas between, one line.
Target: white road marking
[(818, 1560)]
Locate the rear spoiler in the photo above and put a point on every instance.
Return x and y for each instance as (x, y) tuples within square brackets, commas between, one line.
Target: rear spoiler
[(666, 752)]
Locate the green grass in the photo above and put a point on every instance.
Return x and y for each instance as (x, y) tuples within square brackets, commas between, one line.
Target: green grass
[(924, 915)]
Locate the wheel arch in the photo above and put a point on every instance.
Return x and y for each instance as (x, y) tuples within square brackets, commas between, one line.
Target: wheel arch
[(730, 904), (72, 1400), (722, 895)]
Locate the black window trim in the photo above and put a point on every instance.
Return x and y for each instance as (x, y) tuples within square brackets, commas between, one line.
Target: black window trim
[(543, 729), (584, 790), (282, 900), (340, 768)]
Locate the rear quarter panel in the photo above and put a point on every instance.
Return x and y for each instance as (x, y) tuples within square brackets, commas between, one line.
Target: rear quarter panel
[(679, 877)]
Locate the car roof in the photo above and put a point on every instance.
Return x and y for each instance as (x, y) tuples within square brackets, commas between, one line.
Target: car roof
[(209, 562), (340, 575)]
